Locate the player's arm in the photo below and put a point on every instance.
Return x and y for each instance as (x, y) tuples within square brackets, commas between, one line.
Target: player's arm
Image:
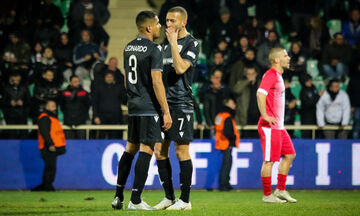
[(261, 101), (180, 64), (159, 90)]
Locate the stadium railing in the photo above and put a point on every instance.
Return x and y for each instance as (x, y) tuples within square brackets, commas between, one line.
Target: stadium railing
[(88, 128)]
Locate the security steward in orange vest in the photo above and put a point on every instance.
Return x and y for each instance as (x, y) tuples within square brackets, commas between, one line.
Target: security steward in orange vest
[(226, 137), (51, 139)]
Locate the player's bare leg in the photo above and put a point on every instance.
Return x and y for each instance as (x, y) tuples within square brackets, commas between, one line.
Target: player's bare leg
[(284, 168), (124, 167), (266, 171), (165, 173), (141, 173), (186, 168)]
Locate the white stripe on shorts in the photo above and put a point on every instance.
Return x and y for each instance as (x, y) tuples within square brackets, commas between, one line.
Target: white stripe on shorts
[(267, 132)]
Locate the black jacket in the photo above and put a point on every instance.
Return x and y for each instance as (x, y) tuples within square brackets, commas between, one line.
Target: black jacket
[(108, 99), (43, 91), (228, 130), (309, 96), (75, 104), (12, 92)]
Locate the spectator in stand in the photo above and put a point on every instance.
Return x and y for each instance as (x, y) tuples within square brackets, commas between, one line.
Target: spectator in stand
[(48, 62), (246, 102), (75, 104), (15, 104), (16, 55), (264, 49), (45, 89), (290, 104), (217, 62), (269, 25), (63, 53), (336, 58), (240, 48), (222, 29), (351, 28), (107, 101), (101, 69), (35, 58), (237, 69), (309, 97), (333, 108), (298, 59), (252, 30), (239, 11), (212, 95), (85, 54), (48, 14), (99, 35), (353, 90), (316, 37), (79, 8)]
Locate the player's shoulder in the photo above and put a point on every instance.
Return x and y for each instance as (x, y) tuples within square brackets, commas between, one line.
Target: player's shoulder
[(269, 74), (190, 39)]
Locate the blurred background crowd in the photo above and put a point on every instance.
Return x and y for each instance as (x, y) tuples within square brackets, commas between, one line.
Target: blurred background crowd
[(52, 51)]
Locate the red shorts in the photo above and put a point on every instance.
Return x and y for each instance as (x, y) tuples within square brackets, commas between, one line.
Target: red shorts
[(275, 143)]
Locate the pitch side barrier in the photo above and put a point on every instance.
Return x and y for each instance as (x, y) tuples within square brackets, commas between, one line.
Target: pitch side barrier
[(88, 128), (92, 164)]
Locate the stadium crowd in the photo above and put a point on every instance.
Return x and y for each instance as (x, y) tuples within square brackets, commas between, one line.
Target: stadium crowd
[(41, 60)]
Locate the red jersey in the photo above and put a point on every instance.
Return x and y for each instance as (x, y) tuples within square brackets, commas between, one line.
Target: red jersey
[(272, 85)]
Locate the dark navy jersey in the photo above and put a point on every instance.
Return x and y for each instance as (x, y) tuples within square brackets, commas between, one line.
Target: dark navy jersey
[(178, 87), (141, 57)]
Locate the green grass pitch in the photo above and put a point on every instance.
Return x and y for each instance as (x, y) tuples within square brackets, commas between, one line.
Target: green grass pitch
[(240, 202)]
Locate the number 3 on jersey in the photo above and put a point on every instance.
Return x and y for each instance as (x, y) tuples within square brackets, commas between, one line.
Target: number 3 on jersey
[(133, 64)]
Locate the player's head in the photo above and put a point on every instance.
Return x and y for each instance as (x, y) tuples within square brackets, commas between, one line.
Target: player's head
[(147, 22), (279, 57), (176, 18)]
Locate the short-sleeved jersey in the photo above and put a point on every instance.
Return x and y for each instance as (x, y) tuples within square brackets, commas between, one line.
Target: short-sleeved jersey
[(141, 57), (178, 87), (272, 85)]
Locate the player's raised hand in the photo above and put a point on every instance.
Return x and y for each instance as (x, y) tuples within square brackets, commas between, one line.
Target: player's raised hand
[(172, 34), (167, 121), (270, 119)]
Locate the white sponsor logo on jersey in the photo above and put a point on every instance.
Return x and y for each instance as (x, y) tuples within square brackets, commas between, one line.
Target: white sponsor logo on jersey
[(181, 133), (191, 54)]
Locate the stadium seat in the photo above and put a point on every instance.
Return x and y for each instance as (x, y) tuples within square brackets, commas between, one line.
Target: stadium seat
[(312, 67), (334, 26)]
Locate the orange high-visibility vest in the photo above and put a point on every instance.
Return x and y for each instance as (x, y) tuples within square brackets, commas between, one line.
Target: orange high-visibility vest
[(56, 132), (221, 141)]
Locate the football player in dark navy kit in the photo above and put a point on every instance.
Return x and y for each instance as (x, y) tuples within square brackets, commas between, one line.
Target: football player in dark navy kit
[(181, 52), (147, 105)]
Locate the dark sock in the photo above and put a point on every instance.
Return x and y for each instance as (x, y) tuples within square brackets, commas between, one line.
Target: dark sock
[(165, 174), (186, 169), (123, 173), (141, 173)]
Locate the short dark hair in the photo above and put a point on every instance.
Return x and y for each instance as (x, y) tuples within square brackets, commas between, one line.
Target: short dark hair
[(144, 16), (73, 76), (332, 81), (180, 10)]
